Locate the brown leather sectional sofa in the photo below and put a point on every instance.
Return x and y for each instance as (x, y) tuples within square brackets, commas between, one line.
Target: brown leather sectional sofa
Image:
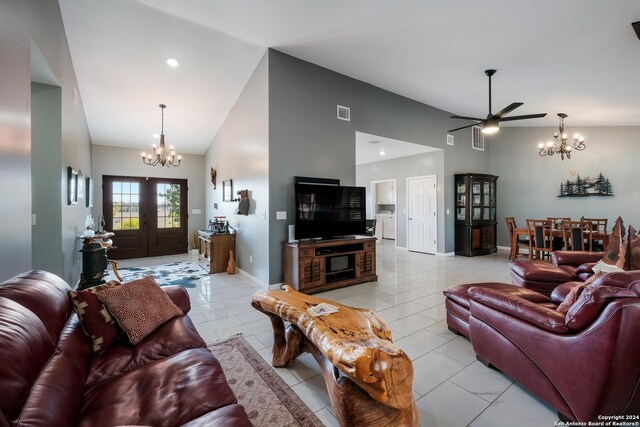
[(585, 364), (49, 377)]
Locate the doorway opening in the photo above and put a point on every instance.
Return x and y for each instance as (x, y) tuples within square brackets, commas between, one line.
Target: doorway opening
[(148, 215), (383, 202)]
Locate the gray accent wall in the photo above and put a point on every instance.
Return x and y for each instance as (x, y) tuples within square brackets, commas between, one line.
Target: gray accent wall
[(46, 158), (400, 169), (240, 152), (306, 138), (22, 22), (108, 160), (529, 184)]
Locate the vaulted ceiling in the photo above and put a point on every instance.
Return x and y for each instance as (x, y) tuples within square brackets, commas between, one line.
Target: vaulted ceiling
[(580, 57)]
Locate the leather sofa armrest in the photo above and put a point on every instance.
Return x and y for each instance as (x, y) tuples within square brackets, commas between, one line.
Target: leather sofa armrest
[(527, 311), (586, 267), (560, 293), (621, 279), (575, 258), (179, 297)]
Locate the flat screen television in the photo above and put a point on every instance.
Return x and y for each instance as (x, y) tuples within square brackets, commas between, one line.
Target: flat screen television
[(326, 211)]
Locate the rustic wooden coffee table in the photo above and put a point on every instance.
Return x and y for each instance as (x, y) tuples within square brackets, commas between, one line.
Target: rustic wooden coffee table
[(369, 379)]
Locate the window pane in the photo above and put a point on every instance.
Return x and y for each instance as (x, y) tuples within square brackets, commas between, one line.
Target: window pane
[(125, 206), (168, 196)]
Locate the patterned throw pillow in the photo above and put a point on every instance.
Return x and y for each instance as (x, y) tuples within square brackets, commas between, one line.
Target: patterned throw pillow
[(95, 319), (570, 299), (139, 307)]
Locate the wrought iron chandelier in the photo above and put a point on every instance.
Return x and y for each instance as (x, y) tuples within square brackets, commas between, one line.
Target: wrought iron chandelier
[(559, 144), (160, 154)]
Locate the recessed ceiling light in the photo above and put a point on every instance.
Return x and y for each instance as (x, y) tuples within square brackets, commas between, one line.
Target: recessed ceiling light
[(172, 62), (382, 153), (156, 135)]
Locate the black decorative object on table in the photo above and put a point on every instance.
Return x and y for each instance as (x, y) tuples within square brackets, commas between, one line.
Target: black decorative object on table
[(94, 263)]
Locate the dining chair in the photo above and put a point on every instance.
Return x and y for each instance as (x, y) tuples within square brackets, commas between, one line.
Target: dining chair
[(574, 235), (596, 233), (514, 238), (540, 238), (557, 235)]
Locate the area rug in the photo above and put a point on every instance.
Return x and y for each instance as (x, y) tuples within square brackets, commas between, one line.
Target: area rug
[(185, 274), (266, 398)]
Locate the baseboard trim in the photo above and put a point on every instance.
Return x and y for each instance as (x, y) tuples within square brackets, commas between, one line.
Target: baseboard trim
[(445, 253), (503, 248), (253, 279)]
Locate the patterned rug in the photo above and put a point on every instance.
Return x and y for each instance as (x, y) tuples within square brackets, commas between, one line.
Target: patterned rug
[(185, 274), (266, 398)]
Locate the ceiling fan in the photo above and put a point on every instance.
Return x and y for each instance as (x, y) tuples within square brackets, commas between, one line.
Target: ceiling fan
[(490, 124)]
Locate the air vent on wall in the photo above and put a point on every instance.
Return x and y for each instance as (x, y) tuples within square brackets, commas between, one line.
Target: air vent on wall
[(344, 113), (477, 138), (449, 139)]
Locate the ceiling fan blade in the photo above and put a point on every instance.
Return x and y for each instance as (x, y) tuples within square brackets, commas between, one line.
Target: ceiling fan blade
[(466, 118), (526, 116), (464, 127), (508, 109)]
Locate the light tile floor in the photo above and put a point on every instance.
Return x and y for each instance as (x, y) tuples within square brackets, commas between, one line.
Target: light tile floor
[(451, 388)]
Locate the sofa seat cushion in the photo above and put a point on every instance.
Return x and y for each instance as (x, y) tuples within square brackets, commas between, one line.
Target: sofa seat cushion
[(172, 337), (541, 271), (231, 415), (166, 392)]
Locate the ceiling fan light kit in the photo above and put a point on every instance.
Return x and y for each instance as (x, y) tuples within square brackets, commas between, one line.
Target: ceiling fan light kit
[(559, 144), (492, 123), (160, 154)]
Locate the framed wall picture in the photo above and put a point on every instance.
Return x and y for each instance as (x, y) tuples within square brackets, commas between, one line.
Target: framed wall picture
[(72, 186), (227, 191), (89, 188), (213, 177)]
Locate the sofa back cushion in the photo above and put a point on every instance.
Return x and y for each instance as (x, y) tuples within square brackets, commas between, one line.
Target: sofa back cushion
[(42, 293), (25, 347), (590, 304), (43, 354)]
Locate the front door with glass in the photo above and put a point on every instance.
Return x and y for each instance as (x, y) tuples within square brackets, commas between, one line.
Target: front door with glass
[(147, 215)]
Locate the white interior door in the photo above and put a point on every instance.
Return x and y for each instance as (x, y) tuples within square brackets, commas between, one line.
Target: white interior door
[(423, 219)]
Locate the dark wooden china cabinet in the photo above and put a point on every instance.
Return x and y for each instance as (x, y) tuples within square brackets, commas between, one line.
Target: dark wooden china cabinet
[(475, 210)]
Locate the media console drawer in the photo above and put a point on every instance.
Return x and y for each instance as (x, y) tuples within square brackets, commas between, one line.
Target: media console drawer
[(305, 252), (315, 266)]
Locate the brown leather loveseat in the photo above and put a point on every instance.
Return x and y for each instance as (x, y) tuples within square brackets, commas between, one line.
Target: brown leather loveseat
[(583, 363), (49, 377)]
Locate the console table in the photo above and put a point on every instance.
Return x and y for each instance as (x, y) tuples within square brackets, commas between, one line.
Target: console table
[(214, 250), (369, 379), (315, 266)]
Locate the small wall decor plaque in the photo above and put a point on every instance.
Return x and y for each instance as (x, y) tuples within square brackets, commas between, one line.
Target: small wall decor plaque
[(583, 187)]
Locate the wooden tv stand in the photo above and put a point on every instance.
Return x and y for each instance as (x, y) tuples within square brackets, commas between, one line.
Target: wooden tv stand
[(318, 265)]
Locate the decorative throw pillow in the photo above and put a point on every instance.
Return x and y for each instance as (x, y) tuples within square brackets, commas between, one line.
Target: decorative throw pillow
[(139, 307), (570, 299), (95, 319)]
